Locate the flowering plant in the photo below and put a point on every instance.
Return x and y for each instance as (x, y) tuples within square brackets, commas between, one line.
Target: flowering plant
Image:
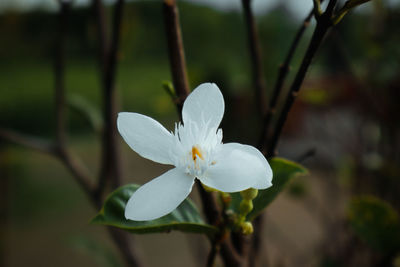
[(196, 150)]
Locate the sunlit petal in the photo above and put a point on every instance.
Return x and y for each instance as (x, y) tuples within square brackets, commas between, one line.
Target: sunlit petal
[(160, 196)]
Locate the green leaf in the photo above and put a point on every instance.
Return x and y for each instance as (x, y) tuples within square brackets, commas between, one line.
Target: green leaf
[(185, 218), (376, 222), (283, 171)]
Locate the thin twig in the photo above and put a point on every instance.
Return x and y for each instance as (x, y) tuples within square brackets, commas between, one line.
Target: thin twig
[(267, 125), (282, 74), (28, 141), (111, 171), (323, 24), (210, 206), (59, 63), (229, 255), (255, 56), (181, 86), (98, 10), (110, 164), (176, 51), (78, 171), (212, 255)]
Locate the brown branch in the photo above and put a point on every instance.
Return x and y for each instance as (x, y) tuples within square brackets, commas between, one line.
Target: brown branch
[(229, 255), (28, 141), (210, 205), (212, 255), (76, 168), (110, 163), (323, 24), (98, 10), (176, 51), (266, 128), (59, 63), (47, 147), (126, 247), (59, 148), (267, 125), (181, 86), (256, 241), (282, 74), (255, 56)]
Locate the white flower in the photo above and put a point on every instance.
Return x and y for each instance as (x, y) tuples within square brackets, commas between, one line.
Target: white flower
[(196, 150)]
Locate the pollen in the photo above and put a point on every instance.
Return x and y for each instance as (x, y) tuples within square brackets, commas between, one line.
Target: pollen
[(196, 153)]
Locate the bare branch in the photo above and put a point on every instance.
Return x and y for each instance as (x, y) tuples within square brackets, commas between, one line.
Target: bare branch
[(111, 171), (176, 51), (180, 81), (229, 255), (282, 74), (110, 163), (98, 10), (28, 141), (59, 63), (324, 22), (255, 56), (78, 170)]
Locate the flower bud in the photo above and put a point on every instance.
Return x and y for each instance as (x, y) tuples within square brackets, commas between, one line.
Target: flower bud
[(245, 207), (247, 228), (249, 193)]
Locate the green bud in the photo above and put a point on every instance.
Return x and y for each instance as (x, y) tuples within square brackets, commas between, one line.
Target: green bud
[(245, 206), (249, 194), (247, 228)]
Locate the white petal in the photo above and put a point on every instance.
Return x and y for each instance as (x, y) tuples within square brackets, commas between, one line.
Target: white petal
[(238, 167), (146, 136), (160, 196), (204, 106)]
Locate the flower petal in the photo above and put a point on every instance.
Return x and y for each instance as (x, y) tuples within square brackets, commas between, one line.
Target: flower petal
[(146, 136), (205, 106), (160, 196), (238, 167)]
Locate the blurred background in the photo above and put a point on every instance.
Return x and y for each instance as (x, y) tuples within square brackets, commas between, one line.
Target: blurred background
[(344, 128)]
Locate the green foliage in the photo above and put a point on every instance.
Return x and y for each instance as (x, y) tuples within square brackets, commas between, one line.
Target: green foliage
[(376, 222), (185, 218), (283, 170)]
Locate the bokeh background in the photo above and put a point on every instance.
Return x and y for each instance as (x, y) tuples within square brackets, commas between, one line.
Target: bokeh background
[(344, 128)]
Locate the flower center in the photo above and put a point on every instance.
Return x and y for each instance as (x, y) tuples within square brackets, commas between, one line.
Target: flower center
[(194, 147), (196, 153)]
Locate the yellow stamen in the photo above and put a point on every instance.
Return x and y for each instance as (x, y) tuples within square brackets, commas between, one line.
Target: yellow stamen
[(196, 152)]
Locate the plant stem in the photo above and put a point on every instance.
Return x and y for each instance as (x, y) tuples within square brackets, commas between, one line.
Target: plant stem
[(176, 51), (282, 74), (212, 255), (110, 163), (181, 86), (323, 24), (255, 57), (111, 170)]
